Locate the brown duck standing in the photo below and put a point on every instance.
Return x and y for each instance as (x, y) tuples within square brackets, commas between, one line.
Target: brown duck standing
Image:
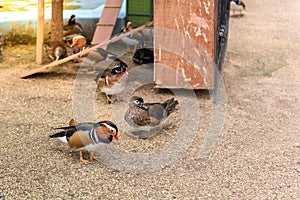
[(147, 116)]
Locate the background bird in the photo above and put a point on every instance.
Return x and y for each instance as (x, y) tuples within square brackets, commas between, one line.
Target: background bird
[(1, 45), (96, 56), (87, 136), (237, 6), (132, 39), (146, 116), (113, 81), (79, 43), (56, 50)]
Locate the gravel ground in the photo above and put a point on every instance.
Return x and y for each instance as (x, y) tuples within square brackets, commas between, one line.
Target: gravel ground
[(256, 157)]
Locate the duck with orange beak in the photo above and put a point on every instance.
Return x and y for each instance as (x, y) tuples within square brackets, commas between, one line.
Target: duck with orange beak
[(86, 136)]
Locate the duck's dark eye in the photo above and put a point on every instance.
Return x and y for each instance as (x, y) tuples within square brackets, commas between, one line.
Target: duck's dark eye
[(111, 130)]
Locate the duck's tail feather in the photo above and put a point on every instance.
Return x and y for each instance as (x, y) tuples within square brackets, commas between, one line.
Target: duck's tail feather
[(170, 105), (59, 134)]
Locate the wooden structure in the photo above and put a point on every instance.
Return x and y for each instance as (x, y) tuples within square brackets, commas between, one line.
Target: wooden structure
[(195, 20), (106, 23), (85, 52), (40, 33), (190, 40)]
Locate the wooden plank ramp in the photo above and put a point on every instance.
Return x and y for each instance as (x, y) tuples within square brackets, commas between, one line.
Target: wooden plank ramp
[(107, 21), (85, 52)]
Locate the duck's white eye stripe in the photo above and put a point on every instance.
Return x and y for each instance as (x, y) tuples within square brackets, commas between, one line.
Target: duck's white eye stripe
[(109, 127), (136, 101)]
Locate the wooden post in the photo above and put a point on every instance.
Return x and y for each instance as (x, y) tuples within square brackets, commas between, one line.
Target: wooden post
[(40, 33), (57, 20)]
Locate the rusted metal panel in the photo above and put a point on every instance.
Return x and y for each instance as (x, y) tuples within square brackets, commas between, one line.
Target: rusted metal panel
[(196, 21)]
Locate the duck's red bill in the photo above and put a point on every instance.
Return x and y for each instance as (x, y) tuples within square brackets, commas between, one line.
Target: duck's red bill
[(116, 137)]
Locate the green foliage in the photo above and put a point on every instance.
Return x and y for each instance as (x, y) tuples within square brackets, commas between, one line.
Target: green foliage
[(139, 7)]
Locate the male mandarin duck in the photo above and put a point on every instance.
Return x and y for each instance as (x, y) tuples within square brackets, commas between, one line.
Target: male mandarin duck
[(113, 81), (145, 116), (86, 136), (78, 43)]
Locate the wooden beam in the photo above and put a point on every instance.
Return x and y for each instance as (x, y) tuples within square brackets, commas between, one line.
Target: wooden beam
[(85, 52), (109, 15), (40, 33)]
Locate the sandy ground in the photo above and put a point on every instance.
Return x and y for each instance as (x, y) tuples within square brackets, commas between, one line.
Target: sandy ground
[(256, 157)]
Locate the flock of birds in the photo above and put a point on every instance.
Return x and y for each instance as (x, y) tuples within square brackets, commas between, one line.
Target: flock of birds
[(140, 115)]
